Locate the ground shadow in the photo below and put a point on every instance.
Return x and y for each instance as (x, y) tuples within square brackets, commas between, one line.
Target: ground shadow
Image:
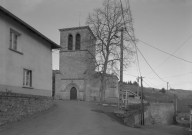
[(112, 116)]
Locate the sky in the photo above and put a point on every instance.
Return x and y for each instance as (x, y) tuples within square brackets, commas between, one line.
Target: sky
[(164, 24)]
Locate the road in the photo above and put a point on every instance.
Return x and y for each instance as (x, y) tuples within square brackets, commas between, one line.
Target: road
[(80, 118)]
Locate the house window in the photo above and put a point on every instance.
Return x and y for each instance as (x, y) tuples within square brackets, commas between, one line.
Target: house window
[(14, 38), (27, 78), (70, 42), (78, 42)]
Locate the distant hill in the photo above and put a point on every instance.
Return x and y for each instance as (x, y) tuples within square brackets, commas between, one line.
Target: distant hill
[(154, 95), (182, 94)]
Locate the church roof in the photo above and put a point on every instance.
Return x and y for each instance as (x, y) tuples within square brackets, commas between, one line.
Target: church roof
[(79, 28), (98, 74)]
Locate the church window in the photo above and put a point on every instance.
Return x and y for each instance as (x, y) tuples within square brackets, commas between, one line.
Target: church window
[(78, 42), (70, 42)]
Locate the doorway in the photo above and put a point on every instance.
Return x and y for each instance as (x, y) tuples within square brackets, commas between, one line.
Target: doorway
[(73, 93)]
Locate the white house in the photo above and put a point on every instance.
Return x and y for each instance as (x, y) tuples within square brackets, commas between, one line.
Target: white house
[(25, 57)]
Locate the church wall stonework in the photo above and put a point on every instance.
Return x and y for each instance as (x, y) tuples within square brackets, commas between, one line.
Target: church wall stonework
[(111, 88), (87, 40), (77, 68), (73, 64), (63, 87)]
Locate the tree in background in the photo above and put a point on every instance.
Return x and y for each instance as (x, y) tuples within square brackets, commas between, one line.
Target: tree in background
[(163, 90), (135, 83), (130, 83), (106, 23)]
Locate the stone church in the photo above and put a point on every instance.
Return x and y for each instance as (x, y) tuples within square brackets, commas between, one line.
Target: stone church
[(77, 78)]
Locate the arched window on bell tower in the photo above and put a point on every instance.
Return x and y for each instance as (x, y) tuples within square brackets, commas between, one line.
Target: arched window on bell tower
[(70, 42), (78, 42)]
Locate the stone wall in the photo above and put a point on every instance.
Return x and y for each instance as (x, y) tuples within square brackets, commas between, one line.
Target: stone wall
[(156, 113), (16, 106), (161, 113)]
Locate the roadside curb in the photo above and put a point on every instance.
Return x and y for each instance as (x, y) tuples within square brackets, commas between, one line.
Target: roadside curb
[(108, 105)]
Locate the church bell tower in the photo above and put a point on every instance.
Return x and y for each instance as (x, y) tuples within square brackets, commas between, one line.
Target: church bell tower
[(77, 60)]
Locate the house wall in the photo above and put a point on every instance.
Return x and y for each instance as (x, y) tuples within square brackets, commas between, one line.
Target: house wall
[(36, 57)]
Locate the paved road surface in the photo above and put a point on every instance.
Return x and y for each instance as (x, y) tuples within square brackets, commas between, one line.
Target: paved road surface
[(81, 118)]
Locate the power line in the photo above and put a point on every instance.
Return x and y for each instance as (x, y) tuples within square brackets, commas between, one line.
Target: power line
[(131, 75), (182, 44), (138, 48), (129, 16), (172, 54), (138, 67), (178, 75), (149, 82), (160, 85), (146, 83), (166, 52), (150, 65), (142, 54), (171, 76)]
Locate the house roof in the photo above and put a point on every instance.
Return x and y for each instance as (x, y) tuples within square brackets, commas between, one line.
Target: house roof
[(79, 28), (15, 18)]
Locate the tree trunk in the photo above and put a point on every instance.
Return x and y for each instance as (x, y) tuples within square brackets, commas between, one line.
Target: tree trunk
[(103, 80)]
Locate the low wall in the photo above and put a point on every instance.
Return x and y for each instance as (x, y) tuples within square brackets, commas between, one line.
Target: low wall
[(14, 106), (156, 113), (161, 113)]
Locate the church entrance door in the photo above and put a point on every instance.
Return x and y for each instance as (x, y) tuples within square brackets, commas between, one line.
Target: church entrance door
[(73, 93)]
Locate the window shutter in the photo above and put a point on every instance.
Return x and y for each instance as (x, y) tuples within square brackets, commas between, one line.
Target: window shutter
[(10, 40), (15, 42), (24, 77), (30, 78)]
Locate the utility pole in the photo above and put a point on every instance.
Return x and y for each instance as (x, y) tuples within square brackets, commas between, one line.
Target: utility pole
[(167, 85), (121, 61), (142, 105), (121, 71), (138, 86)]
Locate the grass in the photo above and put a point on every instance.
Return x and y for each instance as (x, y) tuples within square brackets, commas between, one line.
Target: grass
[(184, 97), (182, 105)]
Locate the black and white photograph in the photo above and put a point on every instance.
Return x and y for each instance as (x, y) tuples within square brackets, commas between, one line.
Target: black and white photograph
[(95, 67)]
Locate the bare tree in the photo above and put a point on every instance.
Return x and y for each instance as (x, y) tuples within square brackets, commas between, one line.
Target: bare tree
[(106, 23)]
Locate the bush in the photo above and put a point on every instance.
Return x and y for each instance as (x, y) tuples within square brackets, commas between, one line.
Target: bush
[(163, 90)]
